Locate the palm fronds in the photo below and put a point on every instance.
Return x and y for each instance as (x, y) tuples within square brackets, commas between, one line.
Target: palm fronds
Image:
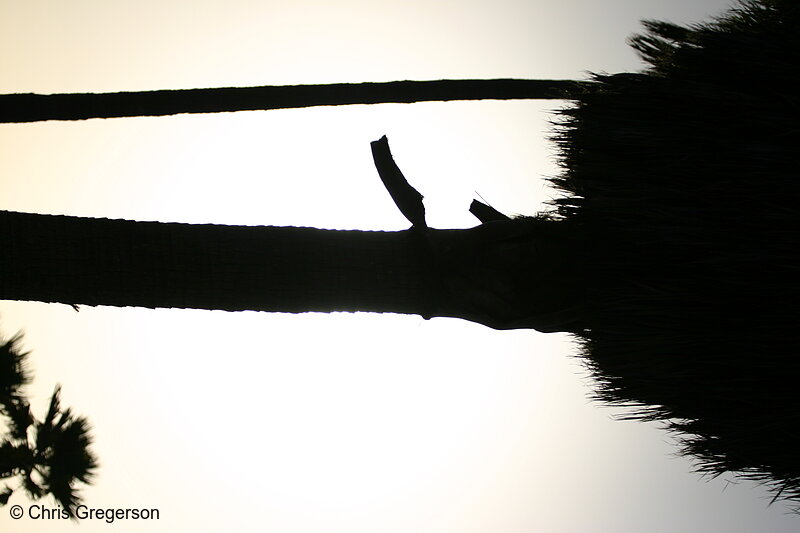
[(683, 180), (14, 372), (62, 445), (49, 457)]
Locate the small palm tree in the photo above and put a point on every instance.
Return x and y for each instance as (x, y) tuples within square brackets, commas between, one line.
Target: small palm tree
[(49, 456)]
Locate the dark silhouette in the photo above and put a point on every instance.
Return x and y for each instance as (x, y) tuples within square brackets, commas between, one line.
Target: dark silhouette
[(684, 183), (87, 261), (405, 197), (672, 254), (58, 455), (486, 213), (37, 107)]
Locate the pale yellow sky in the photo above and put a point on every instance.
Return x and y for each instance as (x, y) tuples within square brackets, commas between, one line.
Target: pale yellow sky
[(312, 423)]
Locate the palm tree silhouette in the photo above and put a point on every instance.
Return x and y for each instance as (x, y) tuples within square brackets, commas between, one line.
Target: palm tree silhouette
[(37, 107), (683, 180), (49, 456), (430, 272), (671, 255)]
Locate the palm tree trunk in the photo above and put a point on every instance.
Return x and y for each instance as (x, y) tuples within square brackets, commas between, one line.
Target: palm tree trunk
[(148, 264), (505, 275), (79, 106)]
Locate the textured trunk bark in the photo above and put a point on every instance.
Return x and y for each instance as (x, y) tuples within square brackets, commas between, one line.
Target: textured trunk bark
[(148, 264), (37, 107)]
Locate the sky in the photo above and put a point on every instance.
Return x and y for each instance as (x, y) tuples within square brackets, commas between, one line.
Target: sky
[(341, 422)]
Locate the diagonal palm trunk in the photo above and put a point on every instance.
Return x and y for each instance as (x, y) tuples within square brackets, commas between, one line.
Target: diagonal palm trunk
[(149, 264), (39, 107), (90, 261)]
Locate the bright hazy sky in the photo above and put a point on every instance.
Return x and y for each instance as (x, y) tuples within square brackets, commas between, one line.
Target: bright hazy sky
[(330, 423)]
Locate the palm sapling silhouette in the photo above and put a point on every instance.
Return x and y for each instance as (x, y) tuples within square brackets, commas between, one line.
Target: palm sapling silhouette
[(50, 456)]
